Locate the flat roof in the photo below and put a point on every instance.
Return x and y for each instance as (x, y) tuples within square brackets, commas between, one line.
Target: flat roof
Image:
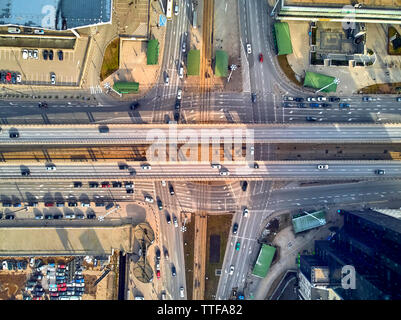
[(340, 3), (302, 222), (283, 38), (51, 14), (264, 261)]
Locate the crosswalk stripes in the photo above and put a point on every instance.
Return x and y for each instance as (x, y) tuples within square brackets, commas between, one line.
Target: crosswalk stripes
[(96, 89)]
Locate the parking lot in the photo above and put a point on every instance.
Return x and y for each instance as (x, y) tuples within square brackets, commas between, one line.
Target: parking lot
[(37, 70)]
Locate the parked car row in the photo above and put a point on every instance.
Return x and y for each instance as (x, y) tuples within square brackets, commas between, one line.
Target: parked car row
[(12, 264), (10, 77)]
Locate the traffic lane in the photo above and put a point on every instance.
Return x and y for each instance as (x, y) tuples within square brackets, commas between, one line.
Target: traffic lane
[(243, 171)]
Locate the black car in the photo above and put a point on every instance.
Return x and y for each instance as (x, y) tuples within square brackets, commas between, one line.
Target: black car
[(14, 135), (80, 216), (3, 77), (326, 105), (123, 166), (1, 215), (171, 189), (58, 216), (130, 190), (334, 99), (10, 217), (253, 97), (25, 173), (168, 218), (255, 166), (45, 54), (48, 216), (177, 104), (91, 216), (176, 116), (244, 185), (117, 184), (72, 204), (299, 99), (99, 204), (310, 119), (301, 105), (60, 55), (14, 78), (157, 253), (159, 204), (235, 228), (77, 184), (51, 55), (93, 185), (103, 129), (134, 105), (380, 171), (173, 271), (42, 104)]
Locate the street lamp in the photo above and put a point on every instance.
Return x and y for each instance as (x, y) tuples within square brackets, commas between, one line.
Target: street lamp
[(336, 81)]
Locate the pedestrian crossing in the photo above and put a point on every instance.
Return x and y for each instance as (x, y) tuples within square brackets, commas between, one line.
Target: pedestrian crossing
[(96, 89)]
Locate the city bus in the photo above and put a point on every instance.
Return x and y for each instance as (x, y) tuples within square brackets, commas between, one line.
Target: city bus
[(169, 9)]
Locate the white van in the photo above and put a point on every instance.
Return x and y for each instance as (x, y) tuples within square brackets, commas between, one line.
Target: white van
[(14, 30), (182, 292)]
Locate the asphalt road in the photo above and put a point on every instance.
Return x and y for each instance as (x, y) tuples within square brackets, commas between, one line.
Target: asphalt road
[(286, 170)]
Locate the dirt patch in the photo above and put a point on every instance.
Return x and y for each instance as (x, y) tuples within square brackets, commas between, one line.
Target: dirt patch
[(286, 68), (382, 88), (217, 225), (89, 284), (11, 285), (110, 59)]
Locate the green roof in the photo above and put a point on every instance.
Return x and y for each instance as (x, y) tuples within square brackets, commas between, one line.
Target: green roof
[(193, 68), (264, 261), (221, 68), (318, 81), (283, 38), (152, 52), (303, 221), (126, 87)]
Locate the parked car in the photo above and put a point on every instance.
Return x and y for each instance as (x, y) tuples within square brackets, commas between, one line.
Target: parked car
[(235, 228), (117, 184), (323, 166), (72, 204), (380, 171), (77, 184), (311, 119), (149, 199), (60, 55), (14, 135), (244, 185), (344, 105), (314, 105), (50, 54), (25, 54), (45, 54), (35, 54), (334, 99), (245, 212), (53, 78), (13, 78), (19, 78), (366, 98)]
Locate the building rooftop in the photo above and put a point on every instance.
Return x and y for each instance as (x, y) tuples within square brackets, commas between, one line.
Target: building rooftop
[(54, 14), (303, 222), (340, 3)]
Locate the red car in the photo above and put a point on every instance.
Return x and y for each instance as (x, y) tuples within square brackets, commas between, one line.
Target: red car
[(61, 266), (62, 289), (158, 274), (260, 57), (62, 285), (105, 185), (49, 204), (8, 76), (54, 294)]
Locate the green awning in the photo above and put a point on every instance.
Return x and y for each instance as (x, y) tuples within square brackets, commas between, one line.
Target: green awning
[(318, 81), (283, 38), (265, 258), (302, 222)]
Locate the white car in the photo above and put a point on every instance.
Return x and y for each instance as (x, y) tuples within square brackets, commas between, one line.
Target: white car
[(224, 172), (248, 48), (35, 54), (245, 212), (175, 221), (179, 94), (19, 78), (181, 72), (323, 166), (53, 78), (252, 150), (31, 262), (30, 53), (163, 183), (311, 99), (146, 167), (320, 98), (5, 265), (216, 166), (51, 168), (182, 292), (25, 54), (231, 270), (176, 9), (83, 204), (52, 289), (149, 199), (166, 80)]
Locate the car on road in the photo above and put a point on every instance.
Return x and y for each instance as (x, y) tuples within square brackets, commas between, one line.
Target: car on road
[(173, 271), (244, 185), (159, 204), (38, 31), (14, 135), (237, 246), (60, 55), (51, 167), (181, 72), (231, 270), (158, 274), (134, 105), (53, 78), (176, 116), (166, 254), (168, 218), (255, 166), (224, 172), (260, 57), (175, 221), (311, 119), (176, 9), (367, 98), (311, 99), (171, 189), (157, 253), (322, 166), (248, 48), (93, 185), (321, 98), (184, 46), (253, 97), (26, 172), (314, 105), (216, 166), (182, 292), (77, 184), (51, 54), (45, 54), (123, 167), (149, 199), (179, 94), (245, 212), (146, 167), (10, 217), (103, 129), (344, 105), (380, 171), (398, 99), (235, 228), (334, 99), (166, 80)]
